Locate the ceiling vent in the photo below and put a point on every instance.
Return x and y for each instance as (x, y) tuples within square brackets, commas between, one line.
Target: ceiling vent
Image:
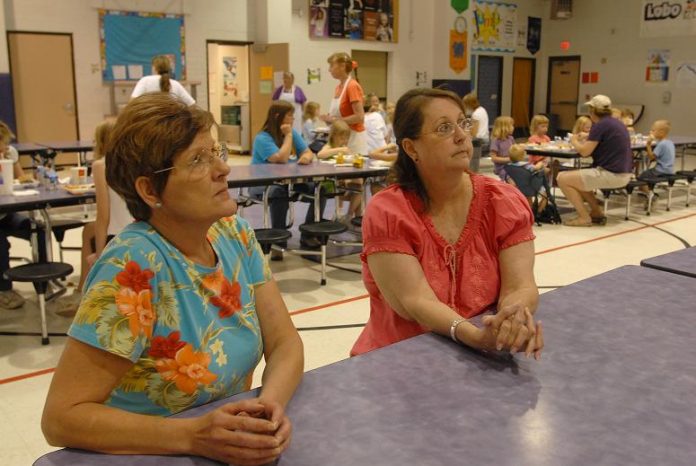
[(561, 9)]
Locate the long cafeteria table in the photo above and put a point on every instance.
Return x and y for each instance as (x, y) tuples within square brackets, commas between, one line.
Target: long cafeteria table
[(614, 386), (681, 262)]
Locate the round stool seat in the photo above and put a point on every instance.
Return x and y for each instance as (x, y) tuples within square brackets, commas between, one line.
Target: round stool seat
[(39, 272), (271, 235), (322, 230)]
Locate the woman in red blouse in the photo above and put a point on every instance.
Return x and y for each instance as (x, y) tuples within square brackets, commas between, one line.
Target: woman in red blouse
[(442, 244)]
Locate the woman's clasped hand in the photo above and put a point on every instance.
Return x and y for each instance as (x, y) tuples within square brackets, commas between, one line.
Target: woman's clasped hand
[(245, 433), (512, 329)]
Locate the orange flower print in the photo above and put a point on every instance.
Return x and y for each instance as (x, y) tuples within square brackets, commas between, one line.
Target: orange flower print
[(133, 277), (213, 281), (187, 370), (244, 237), (138, 308), (229, 300)]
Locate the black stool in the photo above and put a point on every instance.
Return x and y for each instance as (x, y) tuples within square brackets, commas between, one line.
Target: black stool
[(267, 237), (633, 184), (321, 231), (669, 179), (40, 274), (690, 176), (59, 227)]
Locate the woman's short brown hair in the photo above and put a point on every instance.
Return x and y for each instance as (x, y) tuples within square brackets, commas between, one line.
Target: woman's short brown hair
[(408, 123), (149, 133)]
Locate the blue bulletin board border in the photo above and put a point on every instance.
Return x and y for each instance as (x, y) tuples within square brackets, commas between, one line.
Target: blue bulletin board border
[(129, 40)]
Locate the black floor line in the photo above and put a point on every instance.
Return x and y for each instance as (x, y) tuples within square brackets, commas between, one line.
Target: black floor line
[(679, 238), (32, 334), (329, 327)]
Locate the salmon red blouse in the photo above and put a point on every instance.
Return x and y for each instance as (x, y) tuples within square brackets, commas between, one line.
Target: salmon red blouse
[(464, 275)]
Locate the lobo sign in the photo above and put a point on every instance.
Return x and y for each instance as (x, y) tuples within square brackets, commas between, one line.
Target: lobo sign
[(668, 18)]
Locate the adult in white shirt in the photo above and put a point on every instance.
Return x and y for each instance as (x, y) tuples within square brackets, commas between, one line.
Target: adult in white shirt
[(375, 128), (479, 116), (162, 82)]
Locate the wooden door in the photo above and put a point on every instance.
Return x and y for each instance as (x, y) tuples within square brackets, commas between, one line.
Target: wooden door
[(522, 94), (564, 85), (43, 84), (264, 58), (372, 72), (489, 85)]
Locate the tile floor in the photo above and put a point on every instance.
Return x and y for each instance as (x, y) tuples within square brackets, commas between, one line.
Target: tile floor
[(564, 255)]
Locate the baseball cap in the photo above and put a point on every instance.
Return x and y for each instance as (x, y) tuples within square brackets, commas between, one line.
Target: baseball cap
[(599, 101)]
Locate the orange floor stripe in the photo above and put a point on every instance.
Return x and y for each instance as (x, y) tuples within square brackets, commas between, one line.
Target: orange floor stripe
[(26, 376), (365, 296)]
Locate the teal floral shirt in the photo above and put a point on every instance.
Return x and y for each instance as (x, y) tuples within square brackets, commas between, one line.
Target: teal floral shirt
[(191, 331)]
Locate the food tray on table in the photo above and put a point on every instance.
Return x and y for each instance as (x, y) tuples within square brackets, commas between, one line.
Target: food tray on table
[(79, 188)]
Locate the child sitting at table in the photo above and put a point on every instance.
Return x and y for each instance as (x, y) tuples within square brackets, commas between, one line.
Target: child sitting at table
[(582, 128), (518, 158), (337, 148), (501, 141), (663, 153), (13, 224), (538, 127), (386, 153), (627, 118), (310, 120)]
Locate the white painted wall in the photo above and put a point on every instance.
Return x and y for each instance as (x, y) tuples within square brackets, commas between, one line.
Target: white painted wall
[(204, 19), (610, 30), (423, 45)]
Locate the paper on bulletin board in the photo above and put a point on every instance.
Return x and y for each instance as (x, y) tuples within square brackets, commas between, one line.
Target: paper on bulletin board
[(265, 87), (313, 75), (686, 75), (266, 72), (277, 79), (118, 71), (135, 71)]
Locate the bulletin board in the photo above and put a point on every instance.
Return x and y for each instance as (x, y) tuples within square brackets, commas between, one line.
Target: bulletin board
[(376, 20), (129, 40)]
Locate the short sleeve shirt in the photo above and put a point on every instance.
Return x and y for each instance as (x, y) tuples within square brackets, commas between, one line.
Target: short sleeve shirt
[(354, 93), (481, 115), (191, 331), (265, 146), (394, 222), (613, 151), (665, 153), (149, 84)]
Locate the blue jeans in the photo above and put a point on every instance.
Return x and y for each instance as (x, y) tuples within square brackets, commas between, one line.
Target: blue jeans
[(279, 202), (18, 226)]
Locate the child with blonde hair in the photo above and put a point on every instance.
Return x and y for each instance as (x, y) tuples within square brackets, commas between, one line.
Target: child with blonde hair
[(539, 127), (501, 141), (310, 121), (582, 127), (339, 134)]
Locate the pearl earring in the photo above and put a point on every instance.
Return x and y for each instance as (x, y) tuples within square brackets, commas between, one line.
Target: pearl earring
[(158, 204)]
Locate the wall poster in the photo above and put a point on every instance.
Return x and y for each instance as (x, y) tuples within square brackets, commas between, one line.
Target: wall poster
[(354, 19), (660, 18), (657, 70), (495, 26)]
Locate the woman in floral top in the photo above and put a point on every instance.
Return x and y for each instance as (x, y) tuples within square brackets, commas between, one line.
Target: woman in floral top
[(179, 309)]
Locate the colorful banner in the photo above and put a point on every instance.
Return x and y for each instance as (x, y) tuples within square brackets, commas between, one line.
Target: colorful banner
[(458, 45), (668, 18), (533, 34), (657, 70), (495, 26), (355, 19)]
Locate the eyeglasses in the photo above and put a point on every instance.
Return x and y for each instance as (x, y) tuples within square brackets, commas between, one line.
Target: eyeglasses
[(447, 129), (199, 166)]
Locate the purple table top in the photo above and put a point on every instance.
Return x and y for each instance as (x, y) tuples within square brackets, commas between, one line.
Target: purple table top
[(615, 386), (29, 148), (54, 198), (264, 174), (682, 262)]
